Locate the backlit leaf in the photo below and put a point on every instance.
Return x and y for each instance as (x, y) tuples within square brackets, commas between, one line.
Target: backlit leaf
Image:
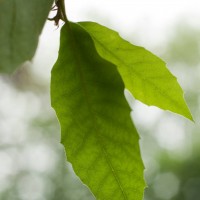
[(144, 74), (96, 129)]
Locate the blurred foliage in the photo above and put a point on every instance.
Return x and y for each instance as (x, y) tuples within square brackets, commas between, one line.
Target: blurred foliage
[(33, 166), (177, 177), (32, 162), (184, 46)]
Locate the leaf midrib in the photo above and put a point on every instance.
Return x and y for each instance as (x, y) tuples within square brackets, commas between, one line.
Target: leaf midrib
[(13, 27)]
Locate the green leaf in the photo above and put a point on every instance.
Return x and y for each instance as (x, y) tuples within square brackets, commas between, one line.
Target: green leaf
[(21, 23), (96, 129), (144, 74)]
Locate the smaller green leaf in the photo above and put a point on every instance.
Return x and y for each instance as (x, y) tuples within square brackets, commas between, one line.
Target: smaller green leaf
[(144, 74)]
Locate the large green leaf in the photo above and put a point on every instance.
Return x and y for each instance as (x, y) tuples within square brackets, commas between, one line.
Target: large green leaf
[(96, 129), (144, 74), (21, 23)]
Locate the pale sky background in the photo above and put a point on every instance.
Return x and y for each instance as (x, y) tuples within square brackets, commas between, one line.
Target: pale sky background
[(145, 22)]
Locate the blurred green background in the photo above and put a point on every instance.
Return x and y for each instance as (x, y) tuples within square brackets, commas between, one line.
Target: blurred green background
[(32, 161)]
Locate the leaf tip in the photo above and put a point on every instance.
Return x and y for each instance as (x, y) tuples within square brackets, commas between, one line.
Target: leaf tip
[(187, 114)]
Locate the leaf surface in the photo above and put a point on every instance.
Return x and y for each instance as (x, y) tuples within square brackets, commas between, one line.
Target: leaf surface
[(144, 74), (21, 23), (99, 137)]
